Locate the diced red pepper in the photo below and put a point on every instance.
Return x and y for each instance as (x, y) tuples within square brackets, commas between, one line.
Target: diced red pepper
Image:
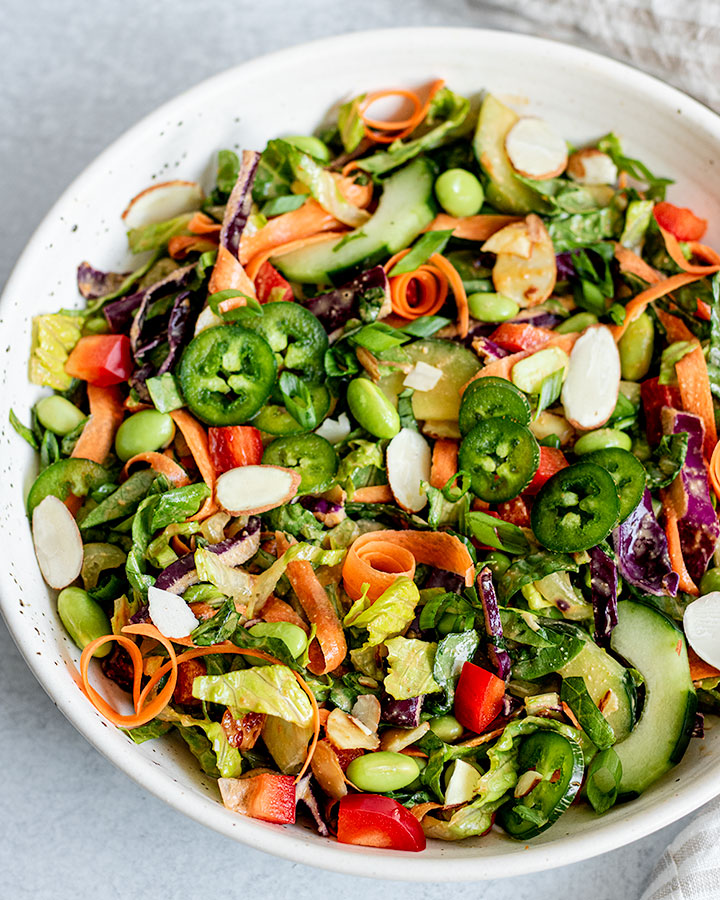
[(552, 459), (187, 673), (517, 336), (243, 732), (478, 698), (654, 396), (270, 286), (101, 359), (514, 511), (235, 445), (371, 820), (267, 796), (680, 221)]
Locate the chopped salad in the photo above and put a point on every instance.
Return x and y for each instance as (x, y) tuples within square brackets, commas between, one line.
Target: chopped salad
[(387, 480)]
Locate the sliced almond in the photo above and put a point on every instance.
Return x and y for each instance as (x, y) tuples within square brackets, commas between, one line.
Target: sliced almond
[(462, 784), (526, 783), (591, 166), (207, 319), (397, 739), (592, 382), (328, 771), (366, 709), (58, 545), (548, 423), (702, 627), (528, 280), (408, 460), (335, 430), (170, 613), (162, 201), (535, 149), (513, 238), (249, 490), (346, 734)]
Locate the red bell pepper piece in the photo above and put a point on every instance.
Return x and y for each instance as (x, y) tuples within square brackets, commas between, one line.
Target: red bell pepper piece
[(269, 797), (234, 445), (680, 221), (271, 286), (552, 459), (478, 698), (101, 359), (371, 820), (654, 396), (188, 671), (517, 336), (514, 511)]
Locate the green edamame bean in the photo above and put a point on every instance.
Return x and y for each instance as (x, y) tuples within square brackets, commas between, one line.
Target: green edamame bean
[(372, 409), (497, 562), (492, 307), (602, 438), (144, 431), (83, 618), (309, 144), (636, 348), (459, 192), (58, 414), (578, 322), (382, 771), (447, 728), (291, 635), (710, 581)]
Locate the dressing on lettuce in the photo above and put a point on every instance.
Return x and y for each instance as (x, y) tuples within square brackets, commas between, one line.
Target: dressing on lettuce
[(390, 614), (410, 668)]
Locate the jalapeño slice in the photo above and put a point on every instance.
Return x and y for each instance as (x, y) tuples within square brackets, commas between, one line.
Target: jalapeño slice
[(275, 418), (552, 767), (296, 336), (626, 471), (575, 509), (310, 455), (501, 456), (226, 374), (488, 397)]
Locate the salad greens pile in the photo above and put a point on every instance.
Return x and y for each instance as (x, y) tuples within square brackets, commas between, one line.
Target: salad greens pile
[(386, 473)]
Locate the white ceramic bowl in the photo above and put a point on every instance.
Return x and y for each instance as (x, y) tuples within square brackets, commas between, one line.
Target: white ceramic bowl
[(583, 95)]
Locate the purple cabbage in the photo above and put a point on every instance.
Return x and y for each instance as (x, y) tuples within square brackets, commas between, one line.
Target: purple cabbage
[(603, 584), (642, 551), (92, 283), (448, 581), (141, 616), (403, 713), (239, 203), (325, 511), (493, 626), (488, 349), (540, 318), (698, 726), (119, 313), (178, 330), (234, 551), (565, 267), (305, 794), (690, 494), (335, 308)]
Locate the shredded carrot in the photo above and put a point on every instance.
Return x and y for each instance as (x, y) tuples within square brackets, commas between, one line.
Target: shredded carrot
[(637, 306), (703, 310), (379, 558), (635, 265), (471, 228), (386, 131), (423, 291), (256, 263), (699, 669), (276, 610), (303, 222), (181, 244), (179, 546), (328, 649), (675, 550), (197, 441), (359, 195), (376, 493), (710, 258), (714, 472), (444, 462), (106, 414), (675, 328), (162, 464), (499, 368), (228, 274), (202, 224), (695, 393)]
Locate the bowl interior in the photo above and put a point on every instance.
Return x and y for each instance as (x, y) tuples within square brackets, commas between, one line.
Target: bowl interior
[(584, 96)]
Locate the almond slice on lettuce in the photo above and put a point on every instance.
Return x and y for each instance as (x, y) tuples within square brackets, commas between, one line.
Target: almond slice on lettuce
[(591, 167), (161, 202), (408, 459), (592, 381), (249, 490), (170, 613), (535, 150), (701, 622), (526, 279), (58, 545)]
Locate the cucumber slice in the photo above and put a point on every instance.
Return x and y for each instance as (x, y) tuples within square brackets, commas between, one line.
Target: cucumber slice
[(601, 674), (505, 191), (654, 645), (406, 207)]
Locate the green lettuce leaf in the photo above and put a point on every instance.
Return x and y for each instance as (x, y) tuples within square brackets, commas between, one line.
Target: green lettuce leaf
[(656, 186), (593, 722), (149, 731), (389, 615), (263, 689), (156, 235), (532, 568), (667, 460), (208, 743), (296, 520), (350, 125), (453, 651), (360, 464), (53, 337), (179, 504), (637, 219), (410, 670)]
